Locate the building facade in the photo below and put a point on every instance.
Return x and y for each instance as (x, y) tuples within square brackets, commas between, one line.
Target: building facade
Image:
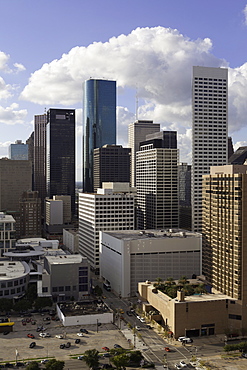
[(157, 184), (7, 233), (209, 129), (129, 257), (66, 278), (39, 175), (136, 134), (225, 236), (18, 151), (60, 153), (99, 123), (15, 178), (184, 187), (111, 164), (109, 209), (30, 215)]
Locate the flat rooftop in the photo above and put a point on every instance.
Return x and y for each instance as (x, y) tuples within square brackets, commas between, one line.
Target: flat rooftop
[(13, 270), (65, 259), (147, 234), (88, 307)]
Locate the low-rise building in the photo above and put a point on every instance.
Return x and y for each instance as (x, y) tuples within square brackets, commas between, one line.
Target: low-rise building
[(7, 233), (131, 256), (14, 278), (65, 277)]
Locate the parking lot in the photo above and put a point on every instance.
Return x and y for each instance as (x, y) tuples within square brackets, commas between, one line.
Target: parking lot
[(18, 341)]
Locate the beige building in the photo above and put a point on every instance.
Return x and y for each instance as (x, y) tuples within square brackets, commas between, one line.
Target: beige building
[(30, 214), (225, 236), (136, 134), (7, 233), (66, 207), (196, 315)]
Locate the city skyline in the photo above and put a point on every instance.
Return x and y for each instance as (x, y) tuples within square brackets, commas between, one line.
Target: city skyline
[(149, 49)]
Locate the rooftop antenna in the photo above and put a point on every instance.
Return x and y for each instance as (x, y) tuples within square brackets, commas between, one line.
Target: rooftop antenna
[(45, 110), (137, 103)]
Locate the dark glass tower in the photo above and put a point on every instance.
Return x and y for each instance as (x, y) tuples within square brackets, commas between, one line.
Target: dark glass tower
[(60, 153), (99, 124)]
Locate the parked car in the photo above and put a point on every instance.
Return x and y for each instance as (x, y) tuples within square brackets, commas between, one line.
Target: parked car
[(167, 349), (44, 335), (80, 357), (177, 366), (68, 344), (244, 355), (77, 341), (6, 332), (9, 365), (84, 331), (185, 340), (32, 345), (138, 327), (59, 336), (129, 313), (62, 346), (30, 336), (107, 354), (142, 319), (106, 348), (183, 364), (44, 361), (80, 334), (20, 364), (117, 346)]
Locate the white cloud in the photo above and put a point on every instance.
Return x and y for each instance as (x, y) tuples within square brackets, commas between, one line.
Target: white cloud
[(3, 61), (245, 14), (158, 61), (4, 146), (12, 115), (4, 89), (19, 67)]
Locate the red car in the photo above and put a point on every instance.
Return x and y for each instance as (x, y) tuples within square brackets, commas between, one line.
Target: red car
[(30, 336), (167, 349), (105, 348)]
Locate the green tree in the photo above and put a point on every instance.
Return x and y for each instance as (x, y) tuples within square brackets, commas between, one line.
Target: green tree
[(183, 281), (5, 304), (54, 364), (91, 358), (42, 302), (120, 361), (31, 293), (98, 291), (135, 357), (188, 289), (170, 281), (200, 289), (22, 305), (34, 365)]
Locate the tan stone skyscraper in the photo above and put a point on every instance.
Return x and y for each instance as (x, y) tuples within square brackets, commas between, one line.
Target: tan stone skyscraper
[(224, 227)]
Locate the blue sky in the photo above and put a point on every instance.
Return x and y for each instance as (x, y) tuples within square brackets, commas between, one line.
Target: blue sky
[(49, 47)]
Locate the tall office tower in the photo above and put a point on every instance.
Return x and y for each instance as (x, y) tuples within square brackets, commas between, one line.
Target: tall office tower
[(60, 153), (112, 208), (30, 143), (209, 129), (157, 183), (239, 156), (30, 215), (18, 151), (137, 133), (99, 124), (111, 164), (184, 188), (225, 235), (39, 176), (15, 178)]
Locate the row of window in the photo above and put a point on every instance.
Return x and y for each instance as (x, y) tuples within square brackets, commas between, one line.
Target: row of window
[(7, 292)]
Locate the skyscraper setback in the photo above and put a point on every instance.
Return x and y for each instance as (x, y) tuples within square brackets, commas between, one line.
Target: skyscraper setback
[(60, 153), (99, 123), (209, 129)]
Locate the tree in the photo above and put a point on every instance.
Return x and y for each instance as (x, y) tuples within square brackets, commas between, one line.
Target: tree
[(120, 361), (98, 291), (5, 304), (54, 364), (200, 289), (91, 358), (22, 305), (170, 281), (42, 302), (34, 365), (31, 293), (183, 281)]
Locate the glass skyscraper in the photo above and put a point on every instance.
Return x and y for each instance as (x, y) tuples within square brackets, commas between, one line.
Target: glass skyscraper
[(60, 153), (99, 124)]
